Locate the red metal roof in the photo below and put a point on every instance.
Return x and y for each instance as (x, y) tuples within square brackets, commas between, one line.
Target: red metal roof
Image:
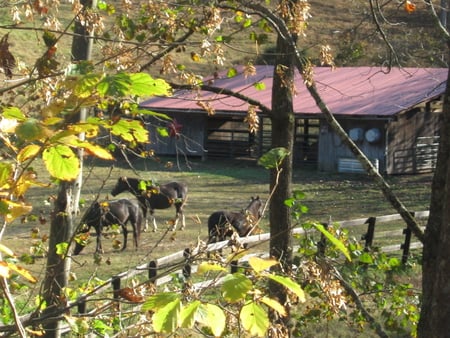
[(350, 91)]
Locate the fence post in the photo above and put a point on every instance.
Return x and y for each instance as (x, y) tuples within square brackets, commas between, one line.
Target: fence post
[(368, 236), (115, 281), (81, 307), (187, 264), (234, 266), (406, 244), (152, 270), (322, 244)]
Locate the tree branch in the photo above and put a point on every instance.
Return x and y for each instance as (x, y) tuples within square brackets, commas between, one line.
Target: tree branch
[(302, 64)]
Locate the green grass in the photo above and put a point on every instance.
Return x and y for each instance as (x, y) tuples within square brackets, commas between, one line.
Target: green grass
[(215, 185)]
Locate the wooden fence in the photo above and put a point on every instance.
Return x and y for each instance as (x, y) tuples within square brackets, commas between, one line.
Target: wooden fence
[(161, 270)]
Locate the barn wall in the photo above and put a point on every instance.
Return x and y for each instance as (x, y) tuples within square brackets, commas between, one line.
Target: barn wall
[(190, 142), (332, 152), (412, 142)]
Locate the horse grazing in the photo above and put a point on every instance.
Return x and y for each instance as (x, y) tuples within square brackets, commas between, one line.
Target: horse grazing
[(152, 196), (222, 224), (107, 213)]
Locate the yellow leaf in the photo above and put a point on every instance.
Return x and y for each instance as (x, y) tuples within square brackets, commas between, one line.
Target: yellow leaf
[(28, 152), (195, 57), (7, 251), (205, 267), (4, 269), (259, 264), (21, 271), (274, 305), (16, 210)]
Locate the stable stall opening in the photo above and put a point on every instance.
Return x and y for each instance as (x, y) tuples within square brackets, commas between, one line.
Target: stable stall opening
[(229, 137)]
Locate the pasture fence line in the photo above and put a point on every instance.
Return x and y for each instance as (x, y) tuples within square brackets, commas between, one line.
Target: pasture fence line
[(161, 270)]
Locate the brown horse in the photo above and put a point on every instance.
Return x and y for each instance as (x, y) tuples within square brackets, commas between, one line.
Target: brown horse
[(222, 224), (155, 196), (107, 213)]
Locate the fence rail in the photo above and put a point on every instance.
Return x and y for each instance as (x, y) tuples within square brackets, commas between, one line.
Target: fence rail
[(160, 270)]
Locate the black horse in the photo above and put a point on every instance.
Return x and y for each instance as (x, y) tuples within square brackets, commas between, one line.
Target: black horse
[(222, 224), (155, 196), (107, 213)]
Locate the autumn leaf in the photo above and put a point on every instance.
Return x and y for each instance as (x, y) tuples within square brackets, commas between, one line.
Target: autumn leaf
[(23, 272), (7, 61), (409, 7)]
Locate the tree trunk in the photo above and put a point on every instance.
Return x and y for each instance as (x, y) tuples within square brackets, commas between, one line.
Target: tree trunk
[(435, 310), (66, 207), (283, 124), (58, 266)]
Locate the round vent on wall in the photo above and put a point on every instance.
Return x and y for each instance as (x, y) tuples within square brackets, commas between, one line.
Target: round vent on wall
[(373, 135), (356, 134)]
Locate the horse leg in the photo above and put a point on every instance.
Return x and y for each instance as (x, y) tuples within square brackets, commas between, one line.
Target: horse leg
[(98, 230), (155, 227), (125, 236)]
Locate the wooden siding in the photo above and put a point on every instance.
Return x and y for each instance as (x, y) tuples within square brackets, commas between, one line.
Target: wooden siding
[(412, 142), (331, 148), (191, 139)]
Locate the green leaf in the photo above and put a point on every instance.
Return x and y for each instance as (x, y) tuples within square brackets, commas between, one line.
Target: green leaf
[(235, 287), (259, 264), (213, 317), (232, 72), (188, 314), (61, 162), (130, 130), (254, 319), (6, 171), (61, 248), (366, 258), (142, 84), (153, 113), (30, 130), (115, 85), (163, 132), (166, 318), (101, 327), (159, 300), (14, 113), (273, 158), (86, 85), (259, 85), (247, 23), (337, 243), (290, 285)]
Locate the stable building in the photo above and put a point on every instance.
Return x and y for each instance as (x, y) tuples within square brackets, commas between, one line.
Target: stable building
[(393, 116)]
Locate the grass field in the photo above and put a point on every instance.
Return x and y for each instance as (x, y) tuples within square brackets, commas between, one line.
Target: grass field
[(213, 185)]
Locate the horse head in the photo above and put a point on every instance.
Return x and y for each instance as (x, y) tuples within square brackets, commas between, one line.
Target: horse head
[(121, 185), (256, 207)]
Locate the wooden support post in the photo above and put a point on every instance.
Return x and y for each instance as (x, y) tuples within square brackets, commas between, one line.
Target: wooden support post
[(406, 245), (115, 281), (369, 235), (322, 244), (234, 266), (187, 264), (152, 271), (81, 307)]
